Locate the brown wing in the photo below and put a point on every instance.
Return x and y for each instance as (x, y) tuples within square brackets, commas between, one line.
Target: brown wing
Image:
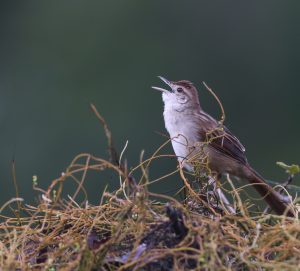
[(221, 139)]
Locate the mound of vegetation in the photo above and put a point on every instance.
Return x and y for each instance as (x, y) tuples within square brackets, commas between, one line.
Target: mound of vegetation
[(135, 229)]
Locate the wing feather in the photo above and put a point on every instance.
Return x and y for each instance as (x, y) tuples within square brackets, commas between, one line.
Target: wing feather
[(221, 139)]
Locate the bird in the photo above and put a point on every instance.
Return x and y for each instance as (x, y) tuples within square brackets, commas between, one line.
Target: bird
[(200, 141)]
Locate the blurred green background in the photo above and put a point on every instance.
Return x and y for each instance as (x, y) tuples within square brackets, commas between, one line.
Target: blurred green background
[(59, 56)]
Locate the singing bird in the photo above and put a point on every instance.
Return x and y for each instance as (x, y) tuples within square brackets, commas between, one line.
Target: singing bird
[(197, 138)]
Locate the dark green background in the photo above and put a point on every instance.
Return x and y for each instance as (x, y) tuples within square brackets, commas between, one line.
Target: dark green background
[(58, 56)]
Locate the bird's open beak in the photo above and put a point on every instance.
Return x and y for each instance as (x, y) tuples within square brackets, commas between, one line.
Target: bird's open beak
[(165, 81)]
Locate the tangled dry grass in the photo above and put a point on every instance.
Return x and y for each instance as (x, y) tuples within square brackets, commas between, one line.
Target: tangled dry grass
[(133, 228)]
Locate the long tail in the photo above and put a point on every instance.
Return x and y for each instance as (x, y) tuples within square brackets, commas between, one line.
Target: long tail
[(273, 198)]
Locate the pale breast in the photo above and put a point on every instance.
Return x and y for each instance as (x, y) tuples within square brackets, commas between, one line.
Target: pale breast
[(184, 136)]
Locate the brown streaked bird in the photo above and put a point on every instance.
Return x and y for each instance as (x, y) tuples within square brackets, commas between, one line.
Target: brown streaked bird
[(197, 138)]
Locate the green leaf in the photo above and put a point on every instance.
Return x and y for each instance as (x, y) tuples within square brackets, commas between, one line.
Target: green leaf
[(290, 169)]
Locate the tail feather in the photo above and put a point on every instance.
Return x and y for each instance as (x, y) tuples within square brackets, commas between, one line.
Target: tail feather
[(273, 198)]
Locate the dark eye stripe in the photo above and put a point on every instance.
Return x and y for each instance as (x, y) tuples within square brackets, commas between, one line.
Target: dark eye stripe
[(179, 89)]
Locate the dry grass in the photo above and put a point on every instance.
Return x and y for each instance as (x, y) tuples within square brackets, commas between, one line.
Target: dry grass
[(135, 229)]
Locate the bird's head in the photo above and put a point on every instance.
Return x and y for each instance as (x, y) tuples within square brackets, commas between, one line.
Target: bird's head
[(180, 94)]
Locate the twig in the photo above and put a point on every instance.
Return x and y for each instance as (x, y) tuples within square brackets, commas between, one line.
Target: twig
[(114, 157), (218, 100)]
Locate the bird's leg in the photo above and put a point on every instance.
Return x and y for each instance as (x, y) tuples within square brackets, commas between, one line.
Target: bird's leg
[(184, 191), (220, 195)]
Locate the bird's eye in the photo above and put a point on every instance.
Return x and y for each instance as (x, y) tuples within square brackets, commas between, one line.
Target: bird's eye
[(179, 90)]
